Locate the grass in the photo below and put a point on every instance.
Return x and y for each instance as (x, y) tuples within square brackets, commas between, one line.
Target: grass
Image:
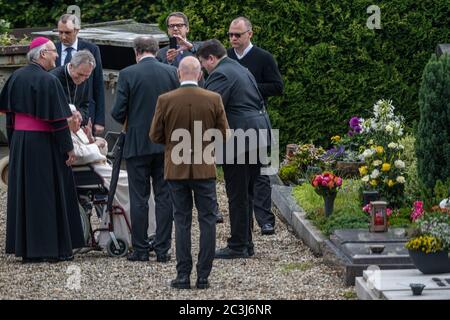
[(347, 207)]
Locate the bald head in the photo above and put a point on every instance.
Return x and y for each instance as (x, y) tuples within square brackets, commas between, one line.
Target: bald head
[(189, 69)]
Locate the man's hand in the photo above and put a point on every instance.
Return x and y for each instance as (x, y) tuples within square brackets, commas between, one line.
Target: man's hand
[(100, 143), (183, 43), (171, 55), (70, 158), (98, 129), (87, 129)]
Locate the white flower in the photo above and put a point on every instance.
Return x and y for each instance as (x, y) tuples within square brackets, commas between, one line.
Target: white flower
[(368, 153), (365, 178), (401, 147), (401, 179), (375, 174), (389, 129), (399, 164), (377, 163), (392, 145)]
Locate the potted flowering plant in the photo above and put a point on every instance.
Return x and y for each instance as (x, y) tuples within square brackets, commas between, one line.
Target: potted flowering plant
[(429, 246), (326, 185), (384, 169)]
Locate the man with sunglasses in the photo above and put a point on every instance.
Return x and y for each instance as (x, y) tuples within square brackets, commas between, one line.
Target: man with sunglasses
[(68, 28), (265, 70), (177, 26)]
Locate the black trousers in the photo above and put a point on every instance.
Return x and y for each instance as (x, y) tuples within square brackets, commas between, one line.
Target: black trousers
[(239, 183), (205, 200), (262, 202), (140, 169)]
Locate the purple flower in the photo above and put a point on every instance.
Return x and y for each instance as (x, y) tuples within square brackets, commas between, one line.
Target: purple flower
[(350, 133), (354, 122)]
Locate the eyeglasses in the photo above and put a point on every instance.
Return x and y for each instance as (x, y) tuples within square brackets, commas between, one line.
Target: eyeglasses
[(236, 34), (178, 25)]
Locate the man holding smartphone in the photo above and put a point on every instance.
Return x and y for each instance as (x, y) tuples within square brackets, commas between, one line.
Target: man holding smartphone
[(179, 47)]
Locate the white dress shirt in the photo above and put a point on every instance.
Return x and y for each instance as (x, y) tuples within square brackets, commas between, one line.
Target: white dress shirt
[(74, 46), (250, 46)]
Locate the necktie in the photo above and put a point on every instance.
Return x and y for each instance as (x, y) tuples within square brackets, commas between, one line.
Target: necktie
[(68, 55)]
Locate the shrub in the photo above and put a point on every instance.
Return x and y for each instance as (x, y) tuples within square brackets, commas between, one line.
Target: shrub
[(433, 136), (331, 63)]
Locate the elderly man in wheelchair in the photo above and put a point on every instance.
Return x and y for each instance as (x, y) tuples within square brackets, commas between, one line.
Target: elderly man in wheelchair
[(92, 173)]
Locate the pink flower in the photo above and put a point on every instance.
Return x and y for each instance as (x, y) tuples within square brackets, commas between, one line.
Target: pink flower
[(417, 211), (367, 208), (388, 212)]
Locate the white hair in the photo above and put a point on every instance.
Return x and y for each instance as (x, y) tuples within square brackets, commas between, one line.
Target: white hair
[(34, 54), (82, 57)]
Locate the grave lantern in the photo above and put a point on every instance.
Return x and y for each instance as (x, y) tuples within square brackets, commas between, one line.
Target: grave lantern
[(291, 149), (378, 216)]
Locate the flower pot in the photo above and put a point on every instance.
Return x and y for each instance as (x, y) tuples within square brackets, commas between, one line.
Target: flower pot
[(329, 203), (430, 263)]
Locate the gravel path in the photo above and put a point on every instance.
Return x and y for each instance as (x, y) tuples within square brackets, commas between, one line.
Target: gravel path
[(282, 268)]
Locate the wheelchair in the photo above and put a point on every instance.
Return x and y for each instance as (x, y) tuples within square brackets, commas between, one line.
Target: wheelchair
[(93, 199)]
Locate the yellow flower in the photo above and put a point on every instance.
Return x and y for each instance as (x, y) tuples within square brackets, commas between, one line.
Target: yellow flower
[(386, 167), (391, 183), (379, 149), (363, 170), (336, 138), (373, 183)]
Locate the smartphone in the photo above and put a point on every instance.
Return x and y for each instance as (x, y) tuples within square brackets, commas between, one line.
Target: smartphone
[(172, 42)]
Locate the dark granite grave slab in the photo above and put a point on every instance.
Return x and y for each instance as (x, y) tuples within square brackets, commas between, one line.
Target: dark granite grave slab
[(354, 246)]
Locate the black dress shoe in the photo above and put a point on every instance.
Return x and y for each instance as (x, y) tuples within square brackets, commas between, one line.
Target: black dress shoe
[(202, 283), (32, 260), (138, 256), (181, 282), (228, 253), (66, 258), (267, 229), (163, 257), (219, 217), (251, 251)]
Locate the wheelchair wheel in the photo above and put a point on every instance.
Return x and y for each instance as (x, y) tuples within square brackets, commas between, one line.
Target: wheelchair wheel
[(85, 224), (4, 164), (117, 252)]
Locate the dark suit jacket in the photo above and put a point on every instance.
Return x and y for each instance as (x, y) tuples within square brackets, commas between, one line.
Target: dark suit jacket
[(79, 96), (161, 55), (138, 89), (243, 102), (97, 104), (179, 109)]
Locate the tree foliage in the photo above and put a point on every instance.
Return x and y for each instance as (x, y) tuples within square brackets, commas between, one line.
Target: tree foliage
[(333, 65)]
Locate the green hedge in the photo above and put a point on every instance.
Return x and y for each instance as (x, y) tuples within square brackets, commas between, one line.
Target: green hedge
[(333, 65)]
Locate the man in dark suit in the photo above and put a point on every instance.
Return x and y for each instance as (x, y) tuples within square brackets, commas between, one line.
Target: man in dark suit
[(265, 70), (184, 109), (68, 28), (177, 26), (74, 78), (138, 89), (244, 107)]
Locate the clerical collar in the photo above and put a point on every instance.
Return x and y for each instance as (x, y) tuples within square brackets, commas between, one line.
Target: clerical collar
[(74, 46), (189, 82), (250, 46), (146, 56), (71, 100)]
